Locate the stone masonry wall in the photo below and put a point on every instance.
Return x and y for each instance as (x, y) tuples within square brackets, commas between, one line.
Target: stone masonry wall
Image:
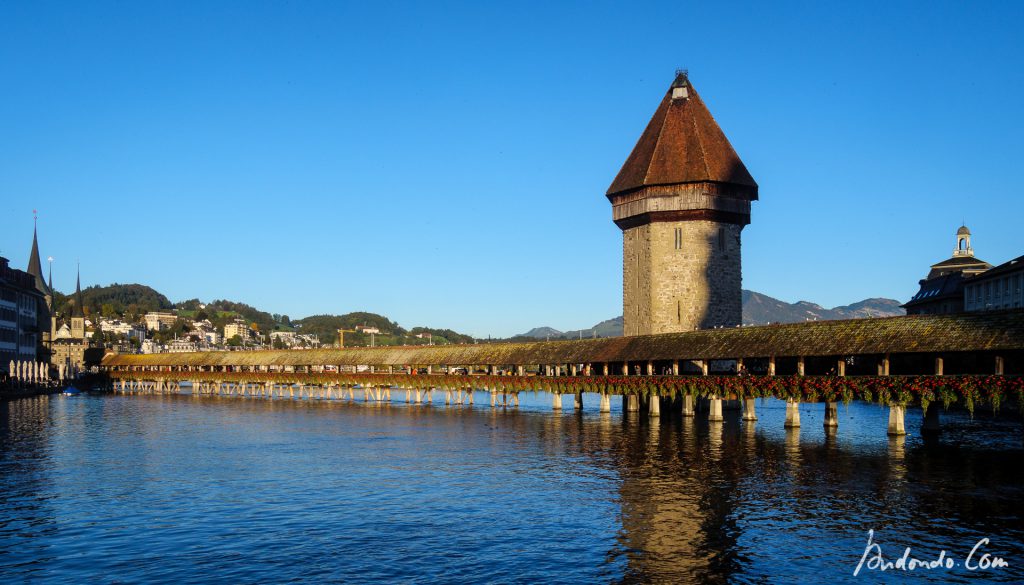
[(697, 285)]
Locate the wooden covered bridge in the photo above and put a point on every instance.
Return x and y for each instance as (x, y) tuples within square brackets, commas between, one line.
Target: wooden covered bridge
[(964, 359)]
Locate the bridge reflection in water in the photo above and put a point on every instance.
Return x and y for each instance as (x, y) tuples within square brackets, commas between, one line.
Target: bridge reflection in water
[(720, 502), (524, 492)]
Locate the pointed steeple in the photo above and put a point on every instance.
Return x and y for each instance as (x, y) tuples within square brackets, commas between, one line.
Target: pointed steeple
[(683, 144), (78, 311), (35, 267)]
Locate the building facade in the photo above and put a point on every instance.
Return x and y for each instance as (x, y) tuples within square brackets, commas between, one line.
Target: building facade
[(20, 332), (942, 291), (237, 327), (159, 320), (681, 199), (999, 288)]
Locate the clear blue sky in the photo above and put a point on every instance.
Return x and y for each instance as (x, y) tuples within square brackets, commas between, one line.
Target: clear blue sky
[(445, 163)]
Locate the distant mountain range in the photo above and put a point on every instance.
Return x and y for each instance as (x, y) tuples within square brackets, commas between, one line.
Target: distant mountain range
[(758, 309)]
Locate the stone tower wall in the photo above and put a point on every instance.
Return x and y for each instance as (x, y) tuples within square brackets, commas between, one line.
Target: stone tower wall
[(681, 280)]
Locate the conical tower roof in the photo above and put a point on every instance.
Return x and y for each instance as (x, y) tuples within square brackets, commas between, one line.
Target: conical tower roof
[(35, 267), (78, 311), (683, 144)]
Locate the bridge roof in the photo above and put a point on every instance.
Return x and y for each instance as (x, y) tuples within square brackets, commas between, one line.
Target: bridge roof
[(988, 331)]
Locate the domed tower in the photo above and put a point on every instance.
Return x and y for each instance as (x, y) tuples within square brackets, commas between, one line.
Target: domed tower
[(681, 200), (963, 243)]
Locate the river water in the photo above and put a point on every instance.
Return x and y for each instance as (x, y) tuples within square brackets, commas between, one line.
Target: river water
[(186, 489)]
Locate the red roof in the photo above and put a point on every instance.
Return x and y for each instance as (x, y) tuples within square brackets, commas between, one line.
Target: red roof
[(682, 144)]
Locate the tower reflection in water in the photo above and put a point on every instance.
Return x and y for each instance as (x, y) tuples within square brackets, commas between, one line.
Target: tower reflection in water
[(712, 502)]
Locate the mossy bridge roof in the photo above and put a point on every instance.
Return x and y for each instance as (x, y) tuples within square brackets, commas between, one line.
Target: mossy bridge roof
[(972, 332)]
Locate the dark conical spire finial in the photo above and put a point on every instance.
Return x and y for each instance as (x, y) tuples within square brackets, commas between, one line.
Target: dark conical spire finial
[(35, 267), (79, 310)]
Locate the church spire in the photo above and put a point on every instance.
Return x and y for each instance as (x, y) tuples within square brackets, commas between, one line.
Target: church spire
[(78, 310), (35, 267)]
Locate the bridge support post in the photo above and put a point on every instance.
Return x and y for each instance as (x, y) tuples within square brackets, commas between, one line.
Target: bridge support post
[(632, 402), (494, 398), (931, 425), (831, 414), (515, 399), (749, 409), (447, 397), (687, 404), (577, 402), (715, 412), (896, 421), (792, 414), (606, 403), (653, 405), (556, 401)]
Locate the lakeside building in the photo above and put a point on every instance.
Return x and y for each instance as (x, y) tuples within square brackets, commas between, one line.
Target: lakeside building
[(119, 327), (20, 313), (206, 332), (1001, 287), (182, 345), (159, 320), (942, 291), (237, 327), (292, 339)]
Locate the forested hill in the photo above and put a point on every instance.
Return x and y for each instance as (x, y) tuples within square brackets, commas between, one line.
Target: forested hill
[(115, 300)]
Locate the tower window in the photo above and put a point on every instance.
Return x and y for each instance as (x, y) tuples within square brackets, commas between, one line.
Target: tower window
[(679, 238)]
